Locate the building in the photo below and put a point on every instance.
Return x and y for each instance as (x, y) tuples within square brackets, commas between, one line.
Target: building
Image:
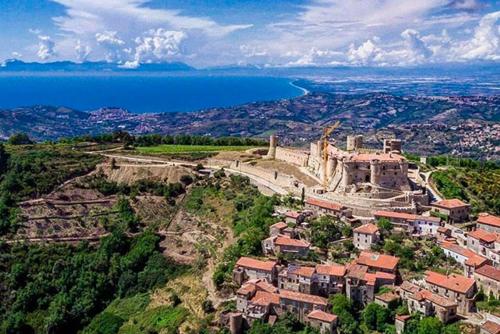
[(324, 207), (365, 236), (283, 244), (298, 278), (330, 278), (400, 323), (248, 268), (294, 217), (387, 299), (378, 262), (489, 327), (488, 222), (467, 258), (485, 244), (301, 304), (427, 303), (454, 209), (488, 279), (326, 323), (457, 288), (411, 223)]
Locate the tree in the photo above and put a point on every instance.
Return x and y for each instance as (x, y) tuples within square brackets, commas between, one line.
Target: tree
[(324, 230), (385, 226), (19, 139), (344, 309), (376, 317), (4, 159), (430, 325)]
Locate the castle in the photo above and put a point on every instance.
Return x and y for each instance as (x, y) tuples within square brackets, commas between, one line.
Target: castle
[(356, 175)]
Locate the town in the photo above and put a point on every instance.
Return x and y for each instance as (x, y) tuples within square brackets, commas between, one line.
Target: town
[(385, 205)]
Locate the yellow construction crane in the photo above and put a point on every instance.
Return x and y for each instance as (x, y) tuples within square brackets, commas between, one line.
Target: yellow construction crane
[(324, 139)]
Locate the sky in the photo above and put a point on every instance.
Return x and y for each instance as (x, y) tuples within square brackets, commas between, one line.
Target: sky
[(205, 33)]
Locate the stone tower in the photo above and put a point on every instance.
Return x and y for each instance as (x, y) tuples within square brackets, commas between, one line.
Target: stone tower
[(273, 143), (354, 142), (375, 172)]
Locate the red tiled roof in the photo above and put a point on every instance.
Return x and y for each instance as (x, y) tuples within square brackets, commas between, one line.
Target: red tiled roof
[(356, 271), (377, 156), (266, 286), (454, 282), (265, 298), (378, 260), (302, 297), (473, 259), (366, 229), (393, 214), (491, 327), (403, 317), (437, 299), (248, 262), (450, 203), (489, 271), (487, 219), (302, 271), (284, 241), (483, 235), (292, 214), (387, 296), (331, 269), (279, 225), (247, 288), (322, 316), (324, 204), (443, 229)]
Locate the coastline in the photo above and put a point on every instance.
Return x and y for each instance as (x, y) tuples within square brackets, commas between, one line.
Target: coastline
[(304, 91)]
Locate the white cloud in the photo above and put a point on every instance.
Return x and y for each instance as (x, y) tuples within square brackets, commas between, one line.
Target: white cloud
[(45, 47), (366, 54), (82, 51), (415, 46), (158, 45), (113, 45), (485, 44), (16, 55)]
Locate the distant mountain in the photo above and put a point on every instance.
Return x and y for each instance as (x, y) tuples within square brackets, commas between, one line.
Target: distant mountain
[(14, 65)]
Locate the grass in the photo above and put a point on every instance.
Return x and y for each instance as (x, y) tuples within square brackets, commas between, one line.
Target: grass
[(172, 149), (166, 319)]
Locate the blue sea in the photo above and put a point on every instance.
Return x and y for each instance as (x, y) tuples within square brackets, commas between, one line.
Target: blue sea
[(140, 93)]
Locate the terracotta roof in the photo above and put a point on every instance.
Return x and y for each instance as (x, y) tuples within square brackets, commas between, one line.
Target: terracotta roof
[(331, 269), (454, 282), (374, 156), (292, 214), (410, 287), (322, 316), (473, 259), (266, 286), (403, 317), (324, 204), (376, 260), (356, 271), (489, 271), (387, 297), (450, 203), (393, 214), (265, 298), (437, 299), (279, 225), (248, 262), (443, 229), (483, 235), (302, 297), (491, 327), (247, 288), (284, 241), (301, 271), (487, 219), (366, 229)]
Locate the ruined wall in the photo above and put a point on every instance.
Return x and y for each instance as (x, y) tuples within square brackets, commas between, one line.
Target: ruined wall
[(294, 157)]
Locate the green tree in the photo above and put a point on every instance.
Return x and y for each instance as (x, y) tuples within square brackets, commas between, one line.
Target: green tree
[(19, 139), (430, 325)]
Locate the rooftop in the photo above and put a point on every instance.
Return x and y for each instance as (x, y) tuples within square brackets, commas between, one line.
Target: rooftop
[(473, 259), (450, 203), (279, 225), (454, 282), (292, 214), (387, 297), (366, 229), (265, 298), (302, 297), (331, 269), (322, 316), (404, 215), (248, 262), (301, 270), (388, 157), (376, 260), (491, 327), (489, 271), (487, 219), (284, 241), (483, 235), (324, 204)]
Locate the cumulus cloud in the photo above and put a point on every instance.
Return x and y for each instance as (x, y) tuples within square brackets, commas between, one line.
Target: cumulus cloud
[(485, 43), (82, 51), (45, 47), (366, 54), (113, 45), (16, 55), (415, 46)]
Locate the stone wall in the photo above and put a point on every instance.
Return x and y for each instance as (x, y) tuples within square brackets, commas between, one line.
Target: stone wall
[(294, 157)]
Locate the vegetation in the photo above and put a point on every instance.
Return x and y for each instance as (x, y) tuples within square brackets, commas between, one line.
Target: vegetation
[(287, 324), (69, 285), (20, 139), (324, 230), (168, 149)]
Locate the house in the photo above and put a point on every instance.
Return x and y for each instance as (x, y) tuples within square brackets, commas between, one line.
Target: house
[(324, 207), (410, 223), (378, 262), (294, 217), (488, 222), (298, 278), (362, 285), (443, 233), (282, 244), (454, 209), (457, 288), (277, 229), (488, 279), (400, 323), (326, 323), (387, 299), (300, 304), (365, 236), (248, 268), (489, 327), (428, 303), (248, 290), (486, 244), (467, 258), (330, 278)]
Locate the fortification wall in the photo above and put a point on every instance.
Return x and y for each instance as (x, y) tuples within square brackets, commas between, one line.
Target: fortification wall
[(291, 156)]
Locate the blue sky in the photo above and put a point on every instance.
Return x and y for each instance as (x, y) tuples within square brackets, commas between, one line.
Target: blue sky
[(262, 32)]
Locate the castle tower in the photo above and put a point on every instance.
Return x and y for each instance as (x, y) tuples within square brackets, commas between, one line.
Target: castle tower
[(392, 145), (375, 172), (273, 143), (354, 142), (346, 173), (330, 167), (403, 166)]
